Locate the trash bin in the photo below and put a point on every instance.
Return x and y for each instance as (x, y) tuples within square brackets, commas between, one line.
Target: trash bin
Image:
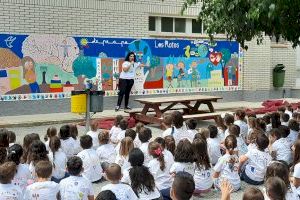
[(278, 75), (96, 101), (78, 101)]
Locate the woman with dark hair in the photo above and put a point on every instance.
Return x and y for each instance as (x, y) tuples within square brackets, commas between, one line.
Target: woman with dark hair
[(126, 79)]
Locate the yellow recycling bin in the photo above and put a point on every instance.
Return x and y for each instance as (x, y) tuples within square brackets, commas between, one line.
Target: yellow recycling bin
[(78, 101)]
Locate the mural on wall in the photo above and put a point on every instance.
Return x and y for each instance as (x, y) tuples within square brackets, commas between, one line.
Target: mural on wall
[(50, 66)]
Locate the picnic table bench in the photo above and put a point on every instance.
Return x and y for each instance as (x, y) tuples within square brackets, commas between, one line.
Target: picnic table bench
[(153, 110)]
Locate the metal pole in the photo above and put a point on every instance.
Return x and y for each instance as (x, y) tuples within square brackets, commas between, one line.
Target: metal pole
[(87, 114)]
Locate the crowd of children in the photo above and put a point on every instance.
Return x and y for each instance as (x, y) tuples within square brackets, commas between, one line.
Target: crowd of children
[(181, 163)]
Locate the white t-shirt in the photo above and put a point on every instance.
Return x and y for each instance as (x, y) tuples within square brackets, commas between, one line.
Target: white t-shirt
[(289, 113), (121, 135), (229, 170), (22, 176), (122, 161), (163, 179), (42, 190), (94, 135), (203, 178), (144, 149), (10, 192), (182, 167), (47, 144), (226, 133), (130, 74), (59, 163), (257, 164), (91, 164), (221, 134), (292, 137), (70, 146), (167, 132), (137, 142), (283, 150), (114, 132), (241, 146), (213, 148), (122, 191), (75, 188), (243, 129), (106, 153), (168, 156), (296, 173), (183, 133)]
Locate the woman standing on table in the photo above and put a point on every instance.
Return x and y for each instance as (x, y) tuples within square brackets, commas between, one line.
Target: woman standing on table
[(126, 79)]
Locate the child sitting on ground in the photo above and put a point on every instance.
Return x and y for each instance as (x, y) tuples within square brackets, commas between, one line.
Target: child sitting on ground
[(294, 131), (42, 189), (183, 186), (69, 146), (258, 160), (239, 116), (227, 165), (12, 137), (122, 191), (145, 136), (170, 144), (241, 145), (137, 142), (91, 163), (213, 144), (228, 121), (106, 151), (94, 132), (106, 195), (122, 155), (75, 186), (191, 131), (115, 129), (51, 131), (285, 119), (123, 126), (8, 190), (167, 125)]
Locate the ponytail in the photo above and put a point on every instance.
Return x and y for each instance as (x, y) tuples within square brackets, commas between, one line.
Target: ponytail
[(161, 160), (156, 151)]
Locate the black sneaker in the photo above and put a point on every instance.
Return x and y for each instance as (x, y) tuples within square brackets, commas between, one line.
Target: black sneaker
[(117, 108), (128, 108)]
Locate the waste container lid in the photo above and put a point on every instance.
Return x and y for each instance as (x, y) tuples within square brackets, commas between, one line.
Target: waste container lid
[(100, 92), (77, 92)]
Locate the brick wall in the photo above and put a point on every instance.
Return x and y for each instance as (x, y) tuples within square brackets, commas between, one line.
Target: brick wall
[(120, 18)]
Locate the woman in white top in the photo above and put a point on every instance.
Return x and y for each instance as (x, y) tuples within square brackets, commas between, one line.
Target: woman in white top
[(58, 159), (140, 178), (160, 169), (126, 79)]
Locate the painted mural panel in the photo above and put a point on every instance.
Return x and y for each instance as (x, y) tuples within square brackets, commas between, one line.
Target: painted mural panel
[(50, 66)]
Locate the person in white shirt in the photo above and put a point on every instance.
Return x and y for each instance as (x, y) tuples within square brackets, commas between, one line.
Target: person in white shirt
[(294, 131), (11, 137), (91, 162), (43, 188), (228, 121), (75, 186), (280, 147), (167, 125), (289, 111), (275, 188), (14, 154), (168, 156), (281, 170), (203, 170), (58, 158), (123, 126), (68, 145), (285, 119), (191, 129), (227, 165), (239, 116), (115, 129), (141, 180), (106, 151), (128, 133), (122, 155), (241, 145), (51, 131), (126, 79), (213, 144), (267, 120), (180, 128), (7, 189), (94, 132), (159, 167), (122, 191), (258, 160), (145, 135), (137, 142), (184, 158), (296, 166)]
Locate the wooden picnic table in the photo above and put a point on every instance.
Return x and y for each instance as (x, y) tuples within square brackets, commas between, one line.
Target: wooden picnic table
[(190, 103)]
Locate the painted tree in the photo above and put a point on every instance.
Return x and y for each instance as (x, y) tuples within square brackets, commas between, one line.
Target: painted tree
[(51, 49), (84, 67), (248, 19)]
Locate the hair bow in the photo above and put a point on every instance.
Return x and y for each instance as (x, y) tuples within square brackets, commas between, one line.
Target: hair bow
[(158, 151)]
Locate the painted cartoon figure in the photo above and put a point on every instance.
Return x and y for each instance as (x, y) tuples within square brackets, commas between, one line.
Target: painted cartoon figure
[(181, 73), (194, 74), (29, 74), (169, 74)]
